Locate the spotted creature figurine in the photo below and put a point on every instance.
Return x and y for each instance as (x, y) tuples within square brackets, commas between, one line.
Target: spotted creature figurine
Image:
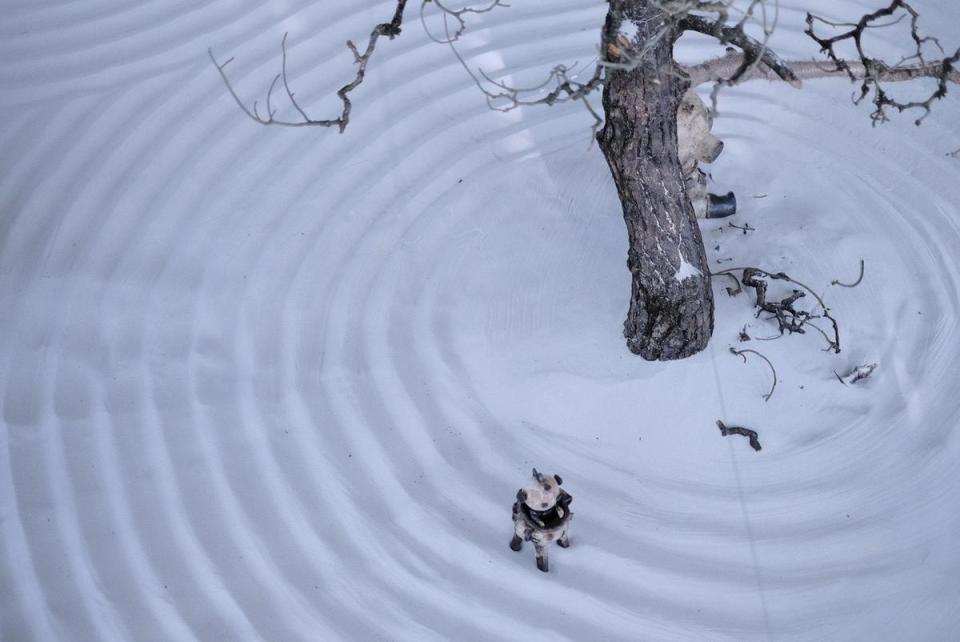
[(541, 515)]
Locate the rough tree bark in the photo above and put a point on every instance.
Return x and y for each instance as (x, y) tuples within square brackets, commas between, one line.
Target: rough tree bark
[(671, 303)]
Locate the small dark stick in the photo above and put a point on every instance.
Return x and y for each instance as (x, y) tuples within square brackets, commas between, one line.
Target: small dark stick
[(737, 430), (746, 228)]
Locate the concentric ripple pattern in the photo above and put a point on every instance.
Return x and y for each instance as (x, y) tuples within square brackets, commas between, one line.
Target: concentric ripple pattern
[(283, 384)]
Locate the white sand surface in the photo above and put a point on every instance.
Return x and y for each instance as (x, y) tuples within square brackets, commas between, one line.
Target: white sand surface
[(273, 384)]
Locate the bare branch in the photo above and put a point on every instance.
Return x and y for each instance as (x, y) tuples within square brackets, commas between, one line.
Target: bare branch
[(389, 29), (504, 97), (874, 70), (456, 14), (754, 52), (719, 68)]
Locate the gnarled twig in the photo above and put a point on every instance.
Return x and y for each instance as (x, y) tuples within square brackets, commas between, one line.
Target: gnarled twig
[(788, 317), (737, 430)]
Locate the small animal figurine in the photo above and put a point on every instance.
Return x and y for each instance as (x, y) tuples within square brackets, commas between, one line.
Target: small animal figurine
[(541, 515), (695, 145)]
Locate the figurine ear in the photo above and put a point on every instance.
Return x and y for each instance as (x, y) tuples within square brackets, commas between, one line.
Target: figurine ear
[(521, 495), (559, 481)]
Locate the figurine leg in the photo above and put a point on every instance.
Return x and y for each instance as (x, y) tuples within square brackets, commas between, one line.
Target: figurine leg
[(542, 558), (721, 206), (564, 541), (516, 543)]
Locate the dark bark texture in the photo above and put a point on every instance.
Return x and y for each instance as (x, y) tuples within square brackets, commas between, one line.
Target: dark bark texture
[(671, 304)]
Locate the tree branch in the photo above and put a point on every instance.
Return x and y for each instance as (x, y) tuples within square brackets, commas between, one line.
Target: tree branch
[(456, 14), (389, 29), (723, 67), (753, 51), (558, 87), (874, 70)]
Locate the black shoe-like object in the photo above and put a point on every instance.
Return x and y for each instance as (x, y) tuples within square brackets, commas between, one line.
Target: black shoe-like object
[(722, 206)]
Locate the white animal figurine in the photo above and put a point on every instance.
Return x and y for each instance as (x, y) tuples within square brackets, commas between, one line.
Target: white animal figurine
[(697, 145), (541, 515)]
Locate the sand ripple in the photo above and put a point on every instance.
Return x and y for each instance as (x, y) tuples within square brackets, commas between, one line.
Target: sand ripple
[(282, 385)]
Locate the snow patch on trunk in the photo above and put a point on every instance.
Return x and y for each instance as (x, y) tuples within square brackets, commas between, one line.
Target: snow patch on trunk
[(686, 270)]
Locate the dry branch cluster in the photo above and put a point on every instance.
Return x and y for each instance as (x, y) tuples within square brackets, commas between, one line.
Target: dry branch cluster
[(789, 319), (725, 20), (872, 71), (389, 29)]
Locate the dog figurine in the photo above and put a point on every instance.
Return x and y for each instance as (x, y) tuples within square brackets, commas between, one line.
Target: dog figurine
[(541, 515), (695, 145)]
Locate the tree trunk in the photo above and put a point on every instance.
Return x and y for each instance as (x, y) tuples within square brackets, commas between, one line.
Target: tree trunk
[(671, 304)]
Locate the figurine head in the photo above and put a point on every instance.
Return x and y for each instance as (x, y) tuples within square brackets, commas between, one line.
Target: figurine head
[(695, 143), (542, 493)]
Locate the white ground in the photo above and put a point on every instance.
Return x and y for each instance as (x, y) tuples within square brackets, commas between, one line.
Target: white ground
[(283, 384)]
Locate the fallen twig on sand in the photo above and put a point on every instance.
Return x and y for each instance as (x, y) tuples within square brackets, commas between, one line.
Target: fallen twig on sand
[(789, 319), (746, 227), (742, 354), (737, 430), (851, 285)]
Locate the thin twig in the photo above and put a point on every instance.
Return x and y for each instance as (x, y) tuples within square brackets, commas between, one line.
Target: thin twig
[(506, 98), (456, 14), (742, 354), (855, 283), (389, 29), (736, 283)]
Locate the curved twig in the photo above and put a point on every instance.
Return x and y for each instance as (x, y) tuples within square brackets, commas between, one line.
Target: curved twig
[(851, 285), (742, 354), (736, 283)]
